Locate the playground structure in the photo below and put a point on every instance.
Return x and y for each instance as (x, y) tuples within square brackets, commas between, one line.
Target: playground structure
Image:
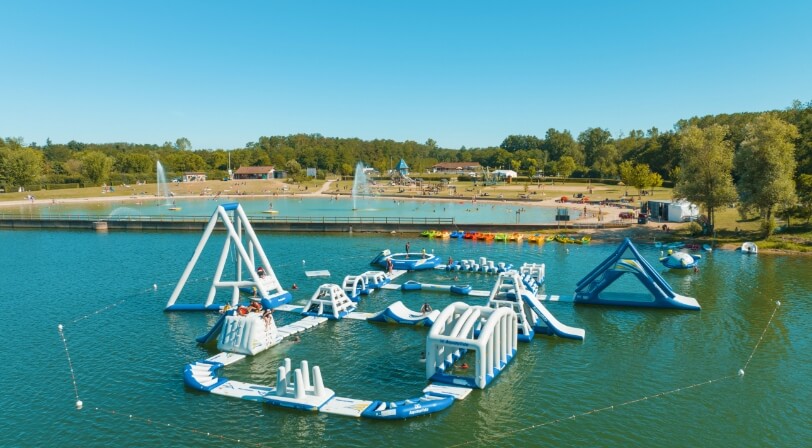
[(262, 281), (329, 301), (590, 289), (490, 332)]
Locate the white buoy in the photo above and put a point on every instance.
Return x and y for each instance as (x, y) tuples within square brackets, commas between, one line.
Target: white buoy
[(78, 404), (741, 372), (59, 327), (154, 286), (778, 302)]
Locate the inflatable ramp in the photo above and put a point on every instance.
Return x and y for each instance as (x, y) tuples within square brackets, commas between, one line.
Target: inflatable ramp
[(397, 313), (590, 289)]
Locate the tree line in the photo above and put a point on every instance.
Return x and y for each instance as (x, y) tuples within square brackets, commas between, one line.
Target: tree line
[(760, 161)]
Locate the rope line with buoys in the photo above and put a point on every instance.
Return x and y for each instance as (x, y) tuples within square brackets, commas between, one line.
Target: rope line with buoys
[(495, 436), (159, 424), (70, 366)]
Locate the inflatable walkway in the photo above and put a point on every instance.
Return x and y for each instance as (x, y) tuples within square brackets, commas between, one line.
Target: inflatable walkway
[(303, 388)]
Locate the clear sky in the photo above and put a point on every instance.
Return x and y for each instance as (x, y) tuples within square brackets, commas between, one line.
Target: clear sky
[(460, 72)]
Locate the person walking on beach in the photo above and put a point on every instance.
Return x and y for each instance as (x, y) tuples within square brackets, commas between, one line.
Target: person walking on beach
[(408, 246)]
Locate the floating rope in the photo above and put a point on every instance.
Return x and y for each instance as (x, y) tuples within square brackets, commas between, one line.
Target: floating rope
[(131, 296), (70, 365), (630, 402), (159, 424), (777, 305)]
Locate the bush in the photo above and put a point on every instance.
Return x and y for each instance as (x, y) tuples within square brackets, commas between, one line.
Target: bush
[(695, 228), (768, 227)]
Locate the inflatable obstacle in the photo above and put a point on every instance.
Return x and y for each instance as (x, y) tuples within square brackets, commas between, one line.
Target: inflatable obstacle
[(397, 313)]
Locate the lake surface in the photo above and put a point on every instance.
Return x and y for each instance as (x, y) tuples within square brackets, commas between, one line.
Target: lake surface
[(463, 211), (128, 354)]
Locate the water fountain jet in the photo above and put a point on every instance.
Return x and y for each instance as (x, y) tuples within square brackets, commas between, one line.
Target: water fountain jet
[(359, 184)]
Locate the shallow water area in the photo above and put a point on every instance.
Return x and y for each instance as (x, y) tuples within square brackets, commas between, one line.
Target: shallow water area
[(283, 207), (128, 354)]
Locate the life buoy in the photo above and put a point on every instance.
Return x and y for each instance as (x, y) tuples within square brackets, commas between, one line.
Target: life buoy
[(242, 310)]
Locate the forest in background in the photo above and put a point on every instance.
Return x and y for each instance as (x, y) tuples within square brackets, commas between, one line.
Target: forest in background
[(760, 160)]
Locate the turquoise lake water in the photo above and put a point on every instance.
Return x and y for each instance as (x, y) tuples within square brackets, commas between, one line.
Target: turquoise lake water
[(464, 212), (128, 354)]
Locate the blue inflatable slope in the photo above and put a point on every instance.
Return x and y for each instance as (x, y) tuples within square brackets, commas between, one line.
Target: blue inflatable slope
[(215, 330)]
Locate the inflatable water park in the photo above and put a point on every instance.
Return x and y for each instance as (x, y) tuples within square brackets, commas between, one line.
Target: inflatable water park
[(488, 335)]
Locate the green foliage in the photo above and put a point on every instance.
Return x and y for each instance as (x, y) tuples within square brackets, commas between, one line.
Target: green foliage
[(565, 166), (96, 167), (639, 176), (765, 164), (705, 170), (695, 228), (20, 166), (768, 227)]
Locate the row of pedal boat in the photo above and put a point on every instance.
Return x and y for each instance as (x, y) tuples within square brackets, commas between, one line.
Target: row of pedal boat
[(513, 237)]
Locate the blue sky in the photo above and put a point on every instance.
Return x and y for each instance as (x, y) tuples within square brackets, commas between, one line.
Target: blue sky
[(460, 72)]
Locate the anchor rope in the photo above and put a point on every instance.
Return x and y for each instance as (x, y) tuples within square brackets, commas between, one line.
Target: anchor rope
[(70, 363), (503, 434)]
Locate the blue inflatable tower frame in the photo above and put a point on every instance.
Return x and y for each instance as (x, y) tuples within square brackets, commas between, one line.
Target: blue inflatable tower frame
[(588, 289)]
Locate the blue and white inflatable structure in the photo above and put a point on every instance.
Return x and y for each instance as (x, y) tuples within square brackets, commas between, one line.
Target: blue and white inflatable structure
[(482, 265), (510, 291), (413, 285), (303, 389), (329, 301), (491, 333), (397, 313), (259, 276), (680, 260), (412, 407), (407, 261), (354, 286), (627, 260)]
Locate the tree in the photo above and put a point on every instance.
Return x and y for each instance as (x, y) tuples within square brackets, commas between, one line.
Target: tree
[(592, 141), (765, 164), (805, 195), (639, 176), (604, 160), (21, 166), (183, 144), (705, 171), (96, 167), (565, 166), (559, 144)]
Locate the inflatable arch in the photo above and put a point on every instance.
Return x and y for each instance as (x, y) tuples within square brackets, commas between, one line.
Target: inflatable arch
[(590, 289), (354, 286), (260, 276), (491, 333)]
